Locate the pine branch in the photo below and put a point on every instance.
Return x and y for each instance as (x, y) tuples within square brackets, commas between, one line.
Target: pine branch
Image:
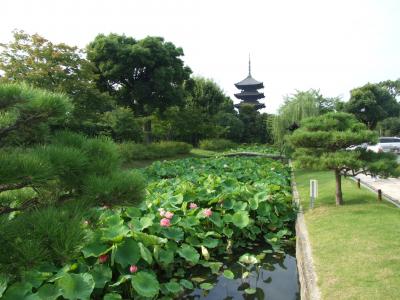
[(14, 186), (26, 205), (4, 131)]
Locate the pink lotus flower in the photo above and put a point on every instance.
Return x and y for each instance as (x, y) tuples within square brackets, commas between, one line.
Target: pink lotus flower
[(169, 215), (103, 258), (207, 212), (192, 205), (164, 222), (133, 269)]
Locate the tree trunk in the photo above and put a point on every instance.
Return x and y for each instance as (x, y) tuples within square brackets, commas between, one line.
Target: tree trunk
[(339, 196), (147, 132)]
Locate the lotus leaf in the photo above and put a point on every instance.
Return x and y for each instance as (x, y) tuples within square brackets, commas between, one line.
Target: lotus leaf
[(127, 253), (206, 286), (146, 254), (76, 286), (229, 274), (101, 275), (145, 284), (189, 253), (241, 219)]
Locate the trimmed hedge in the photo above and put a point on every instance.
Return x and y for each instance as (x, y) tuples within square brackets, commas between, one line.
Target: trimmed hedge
[(216, 144), (132, 151)]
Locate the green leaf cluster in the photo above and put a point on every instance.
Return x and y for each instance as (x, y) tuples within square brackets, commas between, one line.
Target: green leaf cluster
[(250, 201)]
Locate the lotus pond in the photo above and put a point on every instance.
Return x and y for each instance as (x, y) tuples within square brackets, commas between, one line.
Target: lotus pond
[(218, 228)]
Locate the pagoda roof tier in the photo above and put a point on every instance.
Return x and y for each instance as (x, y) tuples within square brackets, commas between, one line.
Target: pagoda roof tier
[(257, 105), (249, 95), (249, 82)]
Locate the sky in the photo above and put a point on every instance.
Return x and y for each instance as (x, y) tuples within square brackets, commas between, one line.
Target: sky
[(330, 45)]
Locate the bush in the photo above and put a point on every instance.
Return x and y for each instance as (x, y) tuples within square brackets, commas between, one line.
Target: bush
[(216, 144), (131, 151), (45, 191), (52, 234), (122, 125)]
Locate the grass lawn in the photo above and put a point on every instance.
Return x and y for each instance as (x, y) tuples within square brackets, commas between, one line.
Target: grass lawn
[(356, 248)]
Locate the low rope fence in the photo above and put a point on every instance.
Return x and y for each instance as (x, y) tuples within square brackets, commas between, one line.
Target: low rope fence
[(381, 195)]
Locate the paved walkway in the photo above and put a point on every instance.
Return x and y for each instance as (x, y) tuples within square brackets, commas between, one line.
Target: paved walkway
[(389, 186)]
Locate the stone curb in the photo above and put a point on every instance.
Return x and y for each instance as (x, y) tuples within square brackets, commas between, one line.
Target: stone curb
[(307, 276)]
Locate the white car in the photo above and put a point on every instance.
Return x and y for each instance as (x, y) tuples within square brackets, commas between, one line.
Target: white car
[(374, 148), (390, 144)]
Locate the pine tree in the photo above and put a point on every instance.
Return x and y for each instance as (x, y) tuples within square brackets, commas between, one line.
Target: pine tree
[(47, 188), (321, 142)]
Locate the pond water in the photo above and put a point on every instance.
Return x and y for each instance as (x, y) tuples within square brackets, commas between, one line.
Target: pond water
[(275, 278)]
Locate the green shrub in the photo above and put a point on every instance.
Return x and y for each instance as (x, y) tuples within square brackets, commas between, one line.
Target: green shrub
[(52, 234), (122, 125), (122, 188), (216, 144), (131, 151), (45, 189)]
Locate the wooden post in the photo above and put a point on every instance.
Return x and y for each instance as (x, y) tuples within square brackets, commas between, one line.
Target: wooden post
[(379, 195), (359, 183)]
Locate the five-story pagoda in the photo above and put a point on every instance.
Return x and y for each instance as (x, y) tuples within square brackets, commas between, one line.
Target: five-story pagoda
[(249, 91)]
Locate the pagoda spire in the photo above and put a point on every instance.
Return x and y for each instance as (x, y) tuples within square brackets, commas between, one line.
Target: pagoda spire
[(249, 93), (249, 66)]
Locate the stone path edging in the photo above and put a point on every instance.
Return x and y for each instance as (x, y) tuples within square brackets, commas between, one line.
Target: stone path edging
[(307, 276), (373, 186)]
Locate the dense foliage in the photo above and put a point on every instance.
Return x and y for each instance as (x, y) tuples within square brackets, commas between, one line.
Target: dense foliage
[(146, 75), (206, 113), (59, 68), (301, 105), (45, 187), (131, 151), (372, 103), (216, 144), (130, 90), (389, 127), (27, 114), (321, 143), (196, 211)]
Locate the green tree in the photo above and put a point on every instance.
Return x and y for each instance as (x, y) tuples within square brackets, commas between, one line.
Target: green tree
[(46, 188), (301, 105), (26, 114), (232, 127), (206, 113), (186, 124), (205, 95), (389, 127), (146, 75), (392, 86), (372, 103), (321, 143), (254, 125), (56, 67), (121, 125)]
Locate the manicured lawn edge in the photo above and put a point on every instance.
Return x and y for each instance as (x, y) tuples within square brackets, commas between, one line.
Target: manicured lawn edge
[(355, 246), (305, 265)]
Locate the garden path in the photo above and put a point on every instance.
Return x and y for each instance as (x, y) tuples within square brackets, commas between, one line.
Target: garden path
[(389, 186)]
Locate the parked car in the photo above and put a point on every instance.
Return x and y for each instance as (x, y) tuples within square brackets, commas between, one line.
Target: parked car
[(385, 144), (390, 144), (374, 148)]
